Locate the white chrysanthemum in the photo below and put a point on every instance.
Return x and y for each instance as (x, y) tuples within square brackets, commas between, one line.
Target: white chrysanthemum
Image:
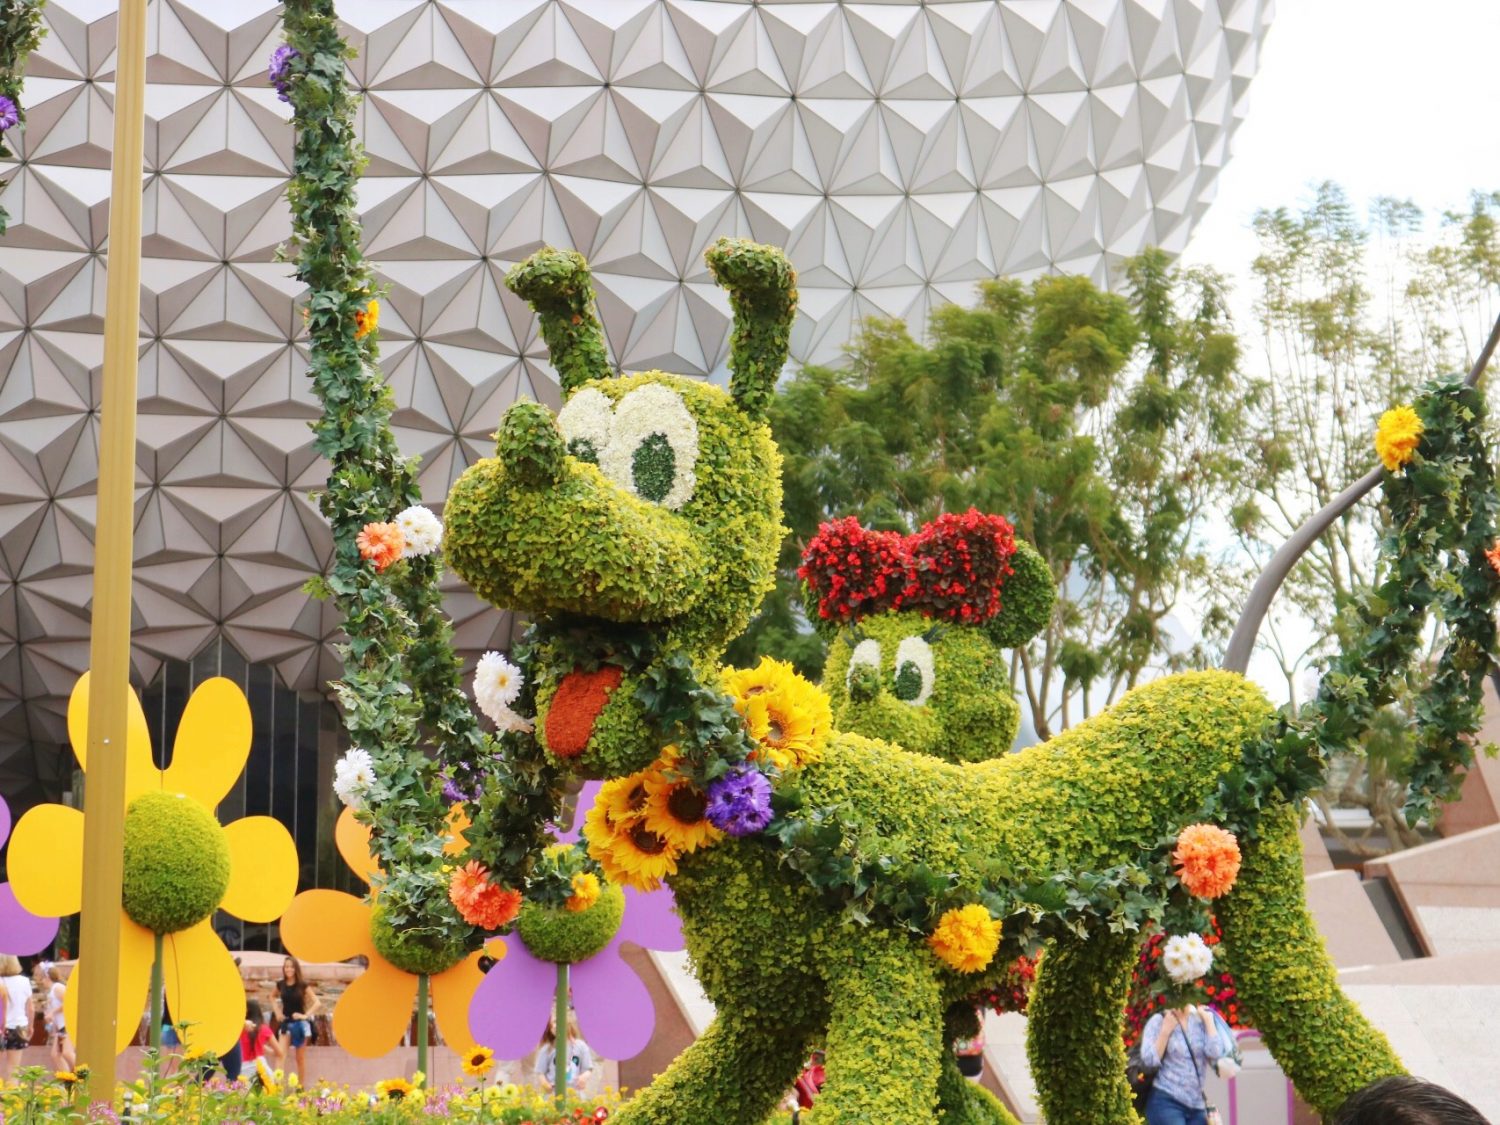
[(1186, 957), (653, 446), (353, 775), (918, 653), (584, 421), (422, 530), (497, 683)]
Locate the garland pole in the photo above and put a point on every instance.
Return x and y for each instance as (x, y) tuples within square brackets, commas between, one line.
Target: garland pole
[(154, 1042), (560, 1044), (422, 1025), (109, 651)]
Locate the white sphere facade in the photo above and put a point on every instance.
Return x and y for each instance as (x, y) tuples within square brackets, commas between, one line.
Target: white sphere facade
[(900, 151)]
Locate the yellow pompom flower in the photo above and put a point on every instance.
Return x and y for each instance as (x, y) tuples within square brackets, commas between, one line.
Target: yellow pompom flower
[(585, 892), (966, 938), (1397, 437), (366, 320)]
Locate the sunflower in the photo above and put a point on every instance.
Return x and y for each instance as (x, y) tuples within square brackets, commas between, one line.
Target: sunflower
[(675, 811), (632, 855), (786, 715), (372, 1014), (478, 1061), (395, 1089), (181, 865), (624, 798)]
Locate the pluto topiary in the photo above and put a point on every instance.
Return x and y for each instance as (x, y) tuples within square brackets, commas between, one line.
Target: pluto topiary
[(176, 862), (833, 888)]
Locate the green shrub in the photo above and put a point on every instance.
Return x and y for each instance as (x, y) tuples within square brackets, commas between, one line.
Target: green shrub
[(176, 862), (416, 951), (562, 936)]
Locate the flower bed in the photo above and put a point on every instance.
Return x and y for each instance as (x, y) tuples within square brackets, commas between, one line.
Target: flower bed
[(40, 1095)]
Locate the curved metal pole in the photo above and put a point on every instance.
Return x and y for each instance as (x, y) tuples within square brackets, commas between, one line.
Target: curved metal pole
[(1242, 641)]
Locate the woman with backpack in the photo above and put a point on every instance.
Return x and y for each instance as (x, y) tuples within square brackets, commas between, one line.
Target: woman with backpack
[(1182, 1044)]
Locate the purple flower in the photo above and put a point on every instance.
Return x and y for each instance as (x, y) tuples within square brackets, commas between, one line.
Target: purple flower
[(21, 932), (280, 70), (739, 803), (452, 792), (10, 114)]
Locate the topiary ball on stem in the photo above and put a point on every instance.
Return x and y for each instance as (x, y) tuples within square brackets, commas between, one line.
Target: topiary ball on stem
[(566, 937), (176, 862), (414, 951)]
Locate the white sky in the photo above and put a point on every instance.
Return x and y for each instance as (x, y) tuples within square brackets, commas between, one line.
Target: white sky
[(1386, 97)]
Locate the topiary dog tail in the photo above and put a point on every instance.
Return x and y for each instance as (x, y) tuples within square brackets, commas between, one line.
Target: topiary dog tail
[(1287, 983)]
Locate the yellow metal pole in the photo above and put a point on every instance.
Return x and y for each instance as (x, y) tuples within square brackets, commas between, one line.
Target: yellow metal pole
[(109, 652)]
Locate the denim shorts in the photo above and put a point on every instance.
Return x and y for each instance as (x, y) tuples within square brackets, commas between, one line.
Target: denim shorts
[(299, 1031), (1164, 1110)]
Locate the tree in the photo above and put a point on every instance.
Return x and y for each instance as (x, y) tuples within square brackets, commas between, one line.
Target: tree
[(1353, 315), (1109, 427)]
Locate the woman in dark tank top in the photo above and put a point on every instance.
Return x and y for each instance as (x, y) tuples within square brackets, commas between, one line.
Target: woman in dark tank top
[(296, 1004)]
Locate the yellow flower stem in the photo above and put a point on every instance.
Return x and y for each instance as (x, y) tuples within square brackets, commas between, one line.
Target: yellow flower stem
[(560, 1044), (422, 1022), (156, 989)]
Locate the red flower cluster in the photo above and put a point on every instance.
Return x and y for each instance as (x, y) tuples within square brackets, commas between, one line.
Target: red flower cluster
[(952, 569), (1013, 992), (1218, 986), (579, 1116)]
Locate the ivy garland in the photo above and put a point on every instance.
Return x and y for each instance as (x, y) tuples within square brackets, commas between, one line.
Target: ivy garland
[(20, 32), (401, 692), (1441, 500)]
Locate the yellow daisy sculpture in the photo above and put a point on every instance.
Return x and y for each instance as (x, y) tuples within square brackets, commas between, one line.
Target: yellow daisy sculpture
[(372, 1014), (180, 865)]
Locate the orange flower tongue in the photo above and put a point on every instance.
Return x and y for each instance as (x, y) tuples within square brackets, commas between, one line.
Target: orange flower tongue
[(577, 703)]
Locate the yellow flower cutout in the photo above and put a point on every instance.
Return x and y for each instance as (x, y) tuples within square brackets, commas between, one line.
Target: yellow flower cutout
[(372, 1014), (966, 938), (1397, 436), (180, 865)]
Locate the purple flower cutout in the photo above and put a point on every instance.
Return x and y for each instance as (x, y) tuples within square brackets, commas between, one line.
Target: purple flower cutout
[(10, 117), (739, 803), (280, 70), (22, 933), (510, 1008)]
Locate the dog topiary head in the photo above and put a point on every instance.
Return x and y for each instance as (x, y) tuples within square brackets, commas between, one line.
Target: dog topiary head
[(644, 518), (922, 622)]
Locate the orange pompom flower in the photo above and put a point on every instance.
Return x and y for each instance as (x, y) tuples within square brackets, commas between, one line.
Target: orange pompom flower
[(1492, 556), (381, 543), (1207, 860), (480, 902)]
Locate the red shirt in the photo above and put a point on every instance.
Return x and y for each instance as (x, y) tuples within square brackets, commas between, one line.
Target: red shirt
[(252, 1050)]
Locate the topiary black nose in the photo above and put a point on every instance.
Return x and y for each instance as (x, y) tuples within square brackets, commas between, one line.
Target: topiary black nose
[(529, 445)]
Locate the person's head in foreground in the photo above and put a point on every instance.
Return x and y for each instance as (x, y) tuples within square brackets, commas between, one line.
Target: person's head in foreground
[(1406, 1101)]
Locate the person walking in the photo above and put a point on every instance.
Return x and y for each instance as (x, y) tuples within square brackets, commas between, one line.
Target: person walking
[(1181, 1043), (296, 1003), (49, 978), (15, 998), (580, 1060)]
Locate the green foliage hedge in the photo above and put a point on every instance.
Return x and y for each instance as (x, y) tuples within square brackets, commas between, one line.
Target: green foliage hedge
[(176, 862), (431, 950)]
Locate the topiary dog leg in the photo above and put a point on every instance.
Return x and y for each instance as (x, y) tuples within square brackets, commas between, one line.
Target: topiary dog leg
[(961, 1102), (1073, 1030), (734, 1074), (557, 285), (762, 289), (884, 1034), (1286, 981)]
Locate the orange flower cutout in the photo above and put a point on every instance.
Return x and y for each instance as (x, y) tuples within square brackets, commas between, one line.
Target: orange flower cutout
[(381, 543), (372, 1014), (480, 902), (1207, 859)]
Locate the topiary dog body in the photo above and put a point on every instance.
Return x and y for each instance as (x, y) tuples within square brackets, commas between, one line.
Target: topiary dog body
[(640, 527)]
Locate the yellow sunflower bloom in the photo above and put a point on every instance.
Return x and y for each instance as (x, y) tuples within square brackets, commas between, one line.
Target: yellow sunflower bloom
[(786, 715), (395, 1089), (1397, 436), (478, 1061), (767, 676), (675, 811), (631, 855), (624, 798), (371, 1016), (248, 868)]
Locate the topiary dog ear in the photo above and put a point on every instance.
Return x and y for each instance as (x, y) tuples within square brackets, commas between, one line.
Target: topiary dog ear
[(762, 288), (1026, 599)]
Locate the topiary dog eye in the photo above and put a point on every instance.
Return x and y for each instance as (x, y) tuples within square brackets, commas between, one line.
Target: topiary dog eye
[(653, 446), (584, 423), (915, 672)]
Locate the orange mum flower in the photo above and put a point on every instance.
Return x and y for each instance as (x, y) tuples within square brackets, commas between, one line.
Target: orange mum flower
[(381, 543), (366, 320), (480, 902), (1492, 556), (1207, 859)]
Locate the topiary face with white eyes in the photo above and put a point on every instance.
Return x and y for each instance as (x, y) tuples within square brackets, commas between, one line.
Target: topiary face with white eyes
[(935, 689), (921, 625)]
